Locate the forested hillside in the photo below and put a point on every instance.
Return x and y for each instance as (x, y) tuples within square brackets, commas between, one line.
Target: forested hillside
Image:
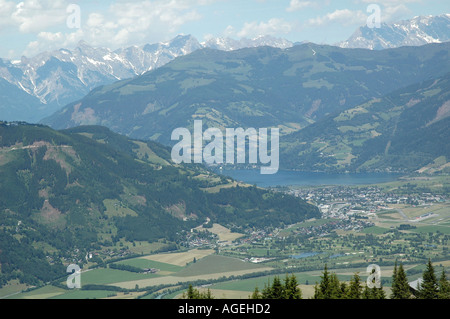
[(86, 188)]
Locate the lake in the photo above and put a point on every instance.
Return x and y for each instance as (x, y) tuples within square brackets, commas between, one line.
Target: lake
[(304, 255), (287, 178)]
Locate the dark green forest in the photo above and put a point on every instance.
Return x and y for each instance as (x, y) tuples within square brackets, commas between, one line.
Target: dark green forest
[(54, 185)]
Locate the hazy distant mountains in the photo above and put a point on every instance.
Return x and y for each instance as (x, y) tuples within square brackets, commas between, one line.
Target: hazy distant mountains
[(406, 130), (36, 87), (33, 88), (417, 31), (253, 87)]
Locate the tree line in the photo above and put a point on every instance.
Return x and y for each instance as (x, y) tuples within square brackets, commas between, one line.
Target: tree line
[(330, 287)]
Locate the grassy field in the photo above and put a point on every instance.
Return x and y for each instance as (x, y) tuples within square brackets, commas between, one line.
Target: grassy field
[(105, 276), (147, 263), (224, 234), (375, 230), (145, 152), (41, 293), (211, 267), (116, 208), (176, 279), (433, 229), (217, 264), (180, 259), (434, 184), (15, 287)]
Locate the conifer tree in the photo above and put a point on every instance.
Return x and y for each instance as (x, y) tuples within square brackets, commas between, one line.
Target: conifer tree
[(193, 293), (267, 291), (380, 293), (400, 284), (277, 290), (335, 287), (322, 290), (355, 288), (444, 287), (429, 287), (291, 289), (373, 293), (367, 293), (394, 286), (317, 292), (343, 291), (256, 294)]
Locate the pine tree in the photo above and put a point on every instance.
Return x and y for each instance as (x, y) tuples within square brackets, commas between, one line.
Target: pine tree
[(256, 294), (291, 290), (207, 295), (400, 285), (380, 293), (193, 293), (373, 293), (343, 291), (335, 287), (267, 291), (277, 291), (429, 287), (444, 287), (317, 292), (394, 286), (367, 293), (322, 291), (355, 288)]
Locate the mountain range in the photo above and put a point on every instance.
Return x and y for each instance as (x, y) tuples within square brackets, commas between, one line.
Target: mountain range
[(36, 87), (255, 87), (33, 88), (405, 130), (417, 31)]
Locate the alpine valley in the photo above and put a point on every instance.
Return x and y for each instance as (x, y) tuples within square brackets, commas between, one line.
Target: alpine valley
[(73, 191), (35, 87), (87, 176), (270, 87)]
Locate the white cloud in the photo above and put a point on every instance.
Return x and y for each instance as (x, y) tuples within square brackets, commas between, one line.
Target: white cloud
[(53, 40), (273, 27), (31, 15), (296, 5), (393, 10), (6, 10), (229, 31), (123, 23), (387, 3), (394, 13), (341, 16)]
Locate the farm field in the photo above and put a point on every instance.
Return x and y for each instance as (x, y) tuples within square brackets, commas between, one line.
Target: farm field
[(426, 218), (241, 289), (210, 267), (240, 262), (180, 259), (206, 266), (224, 234)]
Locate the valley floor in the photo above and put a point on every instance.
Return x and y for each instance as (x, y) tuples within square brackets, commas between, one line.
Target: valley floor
[(359, 226)]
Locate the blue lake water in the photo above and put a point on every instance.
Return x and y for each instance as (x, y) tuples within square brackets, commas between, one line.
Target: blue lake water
[(304, 255), (286, 178)]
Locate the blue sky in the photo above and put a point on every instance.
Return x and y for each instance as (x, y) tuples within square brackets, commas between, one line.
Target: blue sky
[(32, 26)]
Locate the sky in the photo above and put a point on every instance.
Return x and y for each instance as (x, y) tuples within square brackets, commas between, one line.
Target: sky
[(32, 26)]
